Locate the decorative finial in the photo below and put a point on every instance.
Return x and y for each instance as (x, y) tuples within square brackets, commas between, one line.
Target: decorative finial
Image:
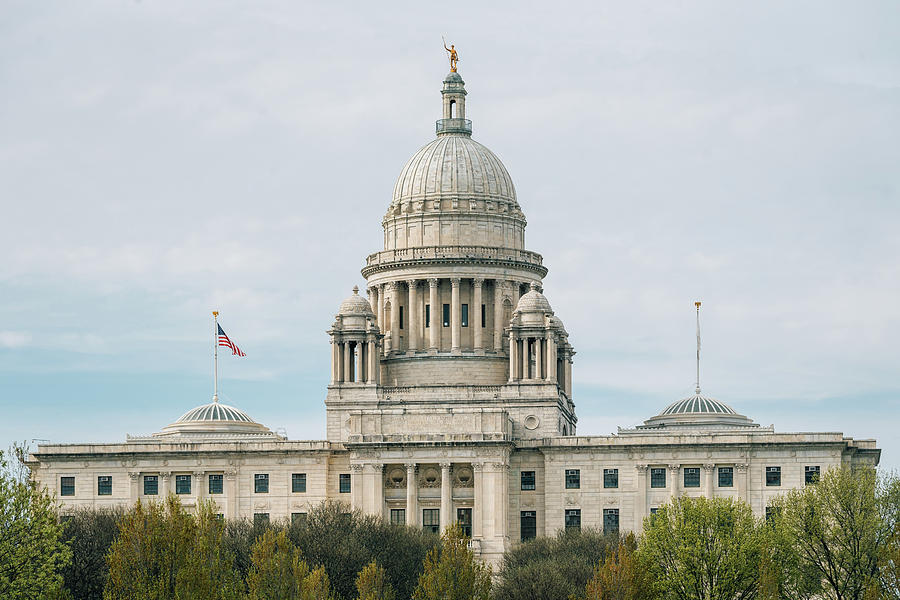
[(454, 57), (215, 313), (356, 290), (534, 286), (697, 305)]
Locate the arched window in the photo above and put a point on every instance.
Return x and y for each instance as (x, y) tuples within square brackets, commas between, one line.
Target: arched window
[(453, 109)]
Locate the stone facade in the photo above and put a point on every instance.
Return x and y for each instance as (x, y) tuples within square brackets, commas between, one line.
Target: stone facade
[(451, 398)]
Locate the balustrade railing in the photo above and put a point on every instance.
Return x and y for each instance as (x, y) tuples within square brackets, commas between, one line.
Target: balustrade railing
[(472, 252)]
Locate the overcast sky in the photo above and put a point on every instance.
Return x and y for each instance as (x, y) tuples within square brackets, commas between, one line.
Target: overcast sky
[(161, 159)]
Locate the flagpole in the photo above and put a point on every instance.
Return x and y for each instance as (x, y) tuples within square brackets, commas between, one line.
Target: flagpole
[(697, 304), (215, 356)]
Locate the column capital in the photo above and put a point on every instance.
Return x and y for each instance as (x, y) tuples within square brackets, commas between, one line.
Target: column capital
[(393, 285), (478, 466), (641, 468), (742, 467), (477, 281), (357, 468), (412, 283), (133, 475), (411, 466), (454, 281), (199, 474), (708, 467), (376, 467), (165, 474), (433, 282), (445, 465), (673, 467)]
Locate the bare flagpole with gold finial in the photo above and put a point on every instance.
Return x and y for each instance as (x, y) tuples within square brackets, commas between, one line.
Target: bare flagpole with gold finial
[(215, 356), (697, 305)]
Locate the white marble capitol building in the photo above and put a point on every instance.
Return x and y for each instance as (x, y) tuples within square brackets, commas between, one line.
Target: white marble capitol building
[(451, 397)]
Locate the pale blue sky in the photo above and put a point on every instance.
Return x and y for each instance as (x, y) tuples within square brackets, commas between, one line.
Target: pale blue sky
[(160, 159)]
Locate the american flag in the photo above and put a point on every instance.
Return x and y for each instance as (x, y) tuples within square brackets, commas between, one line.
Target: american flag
[(224, 341)]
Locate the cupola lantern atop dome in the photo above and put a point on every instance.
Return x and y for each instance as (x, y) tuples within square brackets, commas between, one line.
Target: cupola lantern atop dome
[(454, 100)]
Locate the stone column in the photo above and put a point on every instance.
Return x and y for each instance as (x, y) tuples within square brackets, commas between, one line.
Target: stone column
[(513, 359), (412, 325), (526, 358), (134, 489), (568, 363), (640, 504), (395, 316), (360, 352), (335, 362), (348, 360), (380, 314), (231, 493), (538, 359), (708, 472), (446, 500), (498, 316), (477, 332), (742, 474), (674, 482), (356, 487), (197, 486), (435, 322), (373, 299), (551, 358), (372, 367), (478, 500), (455, 315), (412, 495)]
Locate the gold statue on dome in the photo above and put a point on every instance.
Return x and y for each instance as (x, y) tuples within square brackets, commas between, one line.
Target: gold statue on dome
[(454, 57)]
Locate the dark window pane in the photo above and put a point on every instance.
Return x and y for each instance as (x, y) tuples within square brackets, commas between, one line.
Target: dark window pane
[(398, 516), (811, 475), (573, 518), (215, 484), (657, 478), (344, 483), (431, 520), (610, 520), (151, 485), (427, 315), (401, 317), (528, 524), (726, 476), (464, 518), (691, 477), (298, 519), (610, 478), (573, 479), (773, 476), (298, 483), (261, 483), (104, 485), (66, 486), (527, 480), (182, 484), (465, 315), (446, 315), (483, 321)]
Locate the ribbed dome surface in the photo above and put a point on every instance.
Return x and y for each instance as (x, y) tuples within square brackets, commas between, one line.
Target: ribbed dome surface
[(356, 305), (534, 301), (454, 166), (698, 404), (215, 412)]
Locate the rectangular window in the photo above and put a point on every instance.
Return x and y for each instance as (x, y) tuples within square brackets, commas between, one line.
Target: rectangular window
[(811, 475), (658, 478), (151, 485), (464, 518), (401, 317), (573, 479), (691, 477), (446, 315), (528, 524), (465, 315), (398, 516), (182, 484), (260, 519), (104, 485), (527, 480), (261, 483), (610, 478), (773, 476), (427, 316), (215, 484), (726, 476), (66, 486), (344, 483), (298, 483), (483, 319), (298, 519), (573, 518), (610, 521), (431, 520), (654, 510)]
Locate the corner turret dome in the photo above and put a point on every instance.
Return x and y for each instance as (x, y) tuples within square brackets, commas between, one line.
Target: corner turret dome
[(534, 302), (356, 306)]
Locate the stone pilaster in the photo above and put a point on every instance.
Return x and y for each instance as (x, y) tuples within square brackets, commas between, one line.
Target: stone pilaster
[(455, 315), (708, 474), (475, 321), (640, 504), (412, 495), (395, 316), (435, 324), (356, 487), (498, 316), (446, 500), (412, 325), (674, 481)]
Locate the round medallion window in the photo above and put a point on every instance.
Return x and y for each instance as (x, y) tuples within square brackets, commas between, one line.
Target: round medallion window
[(431, 475), (396, 476), (464, 475), (532, 422)]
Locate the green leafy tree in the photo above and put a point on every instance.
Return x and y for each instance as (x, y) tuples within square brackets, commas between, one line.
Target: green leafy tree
[(89, 533), (620, 576), (317, 586), (163, 552), (277, 571), (371, 584), (836, 531), (32, 551), (703, 549), (552, 568), (889, 564), (452, 572)]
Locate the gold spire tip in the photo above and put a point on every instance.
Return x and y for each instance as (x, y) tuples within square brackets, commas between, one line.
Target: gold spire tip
[(215, 313)]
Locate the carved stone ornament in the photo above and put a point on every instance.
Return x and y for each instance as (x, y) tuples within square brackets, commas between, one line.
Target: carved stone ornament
[(611, 500), (357, 468), (430, 478), (396, 478), (134, 475), (708, 467), (165, 474), (571, 500), (641, 468), (260, 505), (463, 477), (742, 468), (528, 501)]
